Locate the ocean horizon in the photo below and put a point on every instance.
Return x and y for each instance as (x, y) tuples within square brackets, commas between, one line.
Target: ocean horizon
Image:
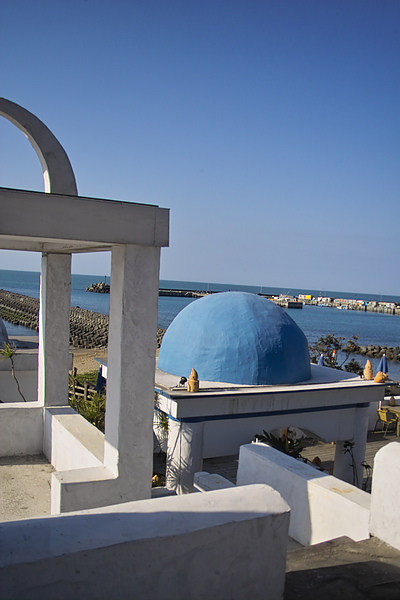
[(371, 328), (32, 278)]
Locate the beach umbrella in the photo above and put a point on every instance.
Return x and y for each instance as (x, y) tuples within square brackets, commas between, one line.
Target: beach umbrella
[(321, 360), (100, 384), (383, 366)]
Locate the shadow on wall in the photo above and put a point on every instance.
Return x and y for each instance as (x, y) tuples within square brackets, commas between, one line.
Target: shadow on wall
[(159, 551)]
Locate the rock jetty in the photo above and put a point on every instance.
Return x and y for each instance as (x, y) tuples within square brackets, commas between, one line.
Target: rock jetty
[(99, 288), (87, 329), (392, 353)]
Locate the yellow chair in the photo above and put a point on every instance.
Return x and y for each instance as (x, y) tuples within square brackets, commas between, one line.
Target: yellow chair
[(386, 417)]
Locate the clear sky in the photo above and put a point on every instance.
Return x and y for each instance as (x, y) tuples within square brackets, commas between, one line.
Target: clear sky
[(269, 128)]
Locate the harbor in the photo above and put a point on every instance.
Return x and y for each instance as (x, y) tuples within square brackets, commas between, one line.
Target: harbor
[(284, 300)]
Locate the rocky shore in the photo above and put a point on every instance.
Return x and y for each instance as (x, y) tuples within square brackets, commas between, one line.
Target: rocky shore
[(87, 329), (99, 288), (392, 353)]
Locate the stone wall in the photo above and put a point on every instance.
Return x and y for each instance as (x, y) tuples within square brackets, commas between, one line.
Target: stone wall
[(87, 329)]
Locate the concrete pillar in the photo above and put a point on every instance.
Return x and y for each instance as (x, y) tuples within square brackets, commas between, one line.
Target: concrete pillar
[(360, 441), (55, 302), (348, 464), (342, 468), (184, 455), (131, 367)]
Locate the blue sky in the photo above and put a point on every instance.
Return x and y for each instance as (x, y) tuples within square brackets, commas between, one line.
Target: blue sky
[(269, 128)]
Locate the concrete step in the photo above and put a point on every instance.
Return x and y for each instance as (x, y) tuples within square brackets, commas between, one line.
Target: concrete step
[(343, 569)]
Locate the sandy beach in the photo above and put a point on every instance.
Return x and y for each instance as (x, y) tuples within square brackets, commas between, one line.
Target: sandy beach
[(84, 360)]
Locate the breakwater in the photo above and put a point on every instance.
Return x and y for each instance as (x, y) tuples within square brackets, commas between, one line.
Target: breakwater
[(87, 329), (392, 353), (104, 288), (286, 301)]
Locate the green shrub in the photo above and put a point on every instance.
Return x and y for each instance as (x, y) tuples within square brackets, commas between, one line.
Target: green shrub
[(93, 410)]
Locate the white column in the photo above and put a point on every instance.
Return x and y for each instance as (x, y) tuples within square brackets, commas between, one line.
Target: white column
[(342, 467), (360, 441), (55, 302), (184, 455), (131, 367)]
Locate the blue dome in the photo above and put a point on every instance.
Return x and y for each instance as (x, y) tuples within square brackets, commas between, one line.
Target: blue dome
[(236, 337)]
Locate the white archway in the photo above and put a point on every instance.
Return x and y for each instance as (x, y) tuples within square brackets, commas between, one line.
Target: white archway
[(58, 175)]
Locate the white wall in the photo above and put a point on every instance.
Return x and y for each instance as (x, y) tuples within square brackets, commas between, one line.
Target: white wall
[(322, 507), (207, 482), (70, 441), (385, 494), (28, 385), (223, 544), (26, 372), (21, 429)]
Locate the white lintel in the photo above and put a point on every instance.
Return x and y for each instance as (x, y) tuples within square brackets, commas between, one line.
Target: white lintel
[(46, 222)]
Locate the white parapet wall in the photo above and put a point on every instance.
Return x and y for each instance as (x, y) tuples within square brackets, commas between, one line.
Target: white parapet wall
[(207, 482), (222, 544), (322, 507), (70, 441), (26, 372), (385, 494), (21, 429), (75, 448)]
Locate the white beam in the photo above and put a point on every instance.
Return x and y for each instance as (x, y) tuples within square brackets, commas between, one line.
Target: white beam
[(85, 221)]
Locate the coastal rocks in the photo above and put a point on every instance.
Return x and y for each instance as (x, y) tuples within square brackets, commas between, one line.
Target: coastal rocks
[(392, 353), (87, 329), (374, 351), (19, 310), (99, 288)]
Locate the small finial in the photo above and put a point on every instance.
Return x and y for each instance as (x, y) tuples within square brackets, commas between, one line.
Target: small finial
[(368, 372), (193, 382)]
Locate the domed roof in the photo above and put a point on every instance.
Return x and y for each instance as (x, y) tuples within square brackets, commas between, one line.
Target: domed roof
[(236, 337)]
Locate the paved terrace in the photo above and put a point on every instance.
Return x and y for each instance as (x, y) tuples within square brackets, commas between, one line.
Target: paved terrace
[(25, 481), (340, 569)]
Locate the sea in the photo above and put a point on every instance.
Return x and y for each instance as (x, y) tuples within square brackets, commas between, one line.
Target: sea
[(315, 321)]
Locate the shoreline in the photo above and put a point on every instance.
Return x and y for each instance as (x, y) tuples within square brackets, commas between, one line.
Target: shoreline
[(89, 330)]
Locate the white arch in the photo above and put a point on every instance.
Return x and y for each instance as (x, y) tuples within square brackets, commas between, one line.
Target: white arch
[(58, 175)]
